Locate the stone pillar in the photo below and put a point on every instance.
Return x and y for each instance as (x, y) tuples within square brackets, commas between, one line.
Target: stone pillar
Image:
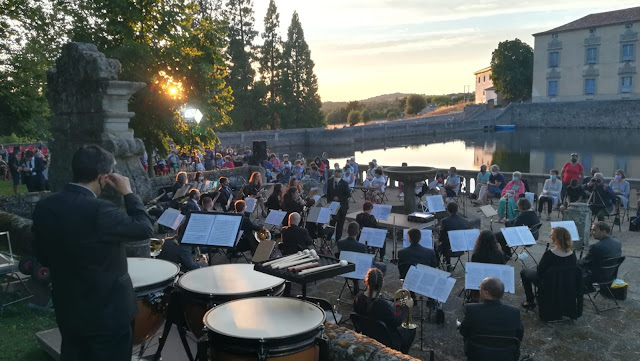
[(90, 106), (580, 213)]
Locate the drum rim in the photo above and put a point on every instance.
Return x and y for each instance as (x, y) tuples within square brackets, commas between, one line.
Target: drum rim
[(218, 293), (318, 326), (156, 283)]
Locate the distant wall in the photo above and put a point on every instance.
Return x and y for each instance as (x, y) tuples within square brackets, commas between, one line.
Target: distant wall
[(613, 114)]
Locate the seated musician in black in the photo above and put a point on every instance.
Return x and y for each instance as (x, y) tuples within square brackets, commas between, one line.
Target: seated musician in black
[(351, 244), (247, 241), (366, 219), (526, 217), (181, 181), (174, 251), (225, 195), (451, 223), (415, 253), (275, 198), (369, 304), (294, 238)]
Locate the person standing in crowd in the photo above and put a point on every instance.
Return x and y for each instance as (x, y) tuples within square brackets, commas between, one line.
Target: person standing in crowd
[(31, 169), (338, 190), (81, 239), (14, 168), (571, 170)]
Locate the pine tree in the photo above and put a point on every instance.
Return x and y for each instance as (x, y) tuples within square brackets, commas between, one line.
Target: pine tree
[(299, 84), (271, 62)]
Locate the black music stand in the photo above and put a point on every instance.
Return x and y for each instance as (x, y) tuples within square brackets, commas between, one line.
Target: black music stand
[(174, 317)]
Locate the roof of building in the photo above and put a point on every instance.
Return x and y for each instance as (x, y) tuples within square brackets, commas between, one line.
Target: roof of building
[(599, 19), (484, 70)]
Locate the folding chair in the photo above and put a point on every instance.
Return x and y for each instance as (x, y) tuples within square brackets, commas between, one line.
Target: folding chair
[(606, 274), (9, 268), (491, 347), (459, 198)]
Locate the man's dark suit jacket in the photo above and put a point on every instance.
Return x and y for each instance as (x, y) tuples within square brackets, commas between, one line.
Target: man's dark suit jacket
[(223, 198), (366, 220), (417, 254), (296, 237), (341, 192), (490, 317), (605, 248), (248, 241), (191, 206), (177, 253), (34, 182), (452, 223), (80, 238), (350, 244)]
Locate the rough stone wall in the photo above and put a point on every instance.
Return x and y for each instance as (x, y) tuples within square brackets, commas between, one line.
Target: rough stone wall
[(347, 345), (613, 114), (22, 204)]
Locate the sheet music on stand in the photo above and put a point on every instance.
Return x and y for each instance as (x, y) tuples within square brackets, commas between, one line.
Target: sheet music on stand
[(251, 204), (435, 204), (373, 237), (569, 226), (171, 218), (182, 191), (334, 206), (381, 211), (212, 229), (518, 236), (316, 198), (433, 184), (463, 240), (429, 281), (488, 211), (426, 240), (363, 262), (476, 272), (275, 217), (320, 215)]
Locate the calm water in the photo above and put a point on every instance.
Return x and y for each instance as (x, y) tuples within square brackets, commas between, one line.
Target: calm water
[(525, 150)]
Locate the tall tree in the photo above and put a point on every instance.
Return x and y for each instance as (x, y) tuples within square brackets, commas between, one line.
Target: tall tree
[(299, 84), (271, 62), (415, 103), (512, 69)]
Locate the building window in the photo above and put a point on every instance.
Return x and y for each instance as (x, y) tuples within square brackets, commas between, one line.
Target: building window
[(490, 77), (554, 59), (625, 84), (592, 30), (552, 88), (484, 78), (554, 36), (628, 25), (628, 52), (592, 55), (589, 86), (478, 80)]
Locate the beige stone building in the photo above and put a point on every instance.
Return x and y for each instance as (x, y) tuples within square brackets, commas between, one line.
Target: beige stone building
[(592, 58), (484, 86)]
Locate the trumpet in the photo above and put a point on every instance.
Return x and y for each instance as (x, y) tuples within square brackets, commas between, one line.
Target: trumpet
[(262, 235), (404, 295)]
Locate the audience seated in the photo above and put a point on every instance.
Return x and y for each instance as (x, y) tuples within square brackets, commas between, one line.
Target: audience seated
[(451, 223), (349, 176), (574, 193), (369, 175), (510, 193), (550, 193), (526, 217), (491, 318), (606, 247), (451, 185), (294, 238), (415, 254), (587, 179), (620, 186), (494, 186), (602, 197), (370, 304), (481, 180), (376, 187)]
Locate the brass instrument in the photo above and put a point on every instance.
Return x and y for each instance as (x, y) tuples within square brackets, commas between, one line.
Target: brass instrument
[(404, 295), (262, 235), (152, 203), (155, 245)]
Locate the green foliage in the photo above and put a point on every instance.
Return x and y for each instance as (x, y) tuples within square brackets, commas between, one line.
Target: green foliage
[(512, 70), (354, 117), (414, 104), (13, 138), (299, 84), (365, 115), (392, 115), (270, 61), (337, 116)]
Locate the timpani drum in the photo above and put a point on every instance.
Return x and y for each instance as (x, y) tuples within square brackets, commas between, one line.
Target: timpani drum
[(261, 328), (150, 277), (207, 287)]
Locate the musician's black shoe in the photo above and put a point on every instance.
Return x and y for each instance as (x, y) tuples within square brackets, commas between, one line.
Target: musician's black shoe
[(529, 305)]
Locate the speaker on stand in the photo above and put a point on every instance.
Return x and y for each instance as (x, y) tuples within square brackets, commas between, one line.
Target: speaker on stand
[(259, 152)]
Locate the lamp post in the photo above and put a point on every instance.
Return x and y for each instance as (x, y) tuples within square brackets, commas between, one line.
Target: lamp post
[(191, 116)]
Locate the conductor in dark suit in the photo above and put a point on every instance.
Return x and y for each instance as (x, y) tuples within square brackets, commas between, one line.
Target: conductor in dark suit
[(338, 190), (80, 238), (605, 248), (295, 238), (225, 197), (192, 203), (491, 318), (451, 223), (415, 253)]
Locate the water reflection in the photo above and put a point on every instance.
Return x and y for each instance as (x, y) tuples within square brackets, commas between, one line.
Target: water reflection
[(526, 150)]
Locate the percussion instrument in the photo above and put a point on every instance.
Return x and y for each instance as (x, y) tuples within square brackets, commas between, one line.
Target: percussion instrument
[(150, 277), (208, 287), (261, 328)]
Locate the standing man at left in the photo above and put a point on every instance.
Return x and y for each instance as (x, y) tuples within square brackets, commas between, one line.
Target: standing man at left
[(80, 238), (338, 190)]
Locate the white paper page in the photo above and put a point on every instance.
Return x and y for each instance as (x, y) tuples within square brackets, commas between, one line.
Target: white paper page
[(525, 235), (435, 204), (428, 281), (363, 262), (433, 184), (373, 237), (488, 211), (319, 215), (381, 211), (251, 204), (442, 288), (512, 237), (569, 225), (334, 207), (225, 231), (530, 196), (476, 272), (198, 229), (426, 240), (463, 240), (316, 198), (275, 217), (314, 212), (470, 237), (171, 218)]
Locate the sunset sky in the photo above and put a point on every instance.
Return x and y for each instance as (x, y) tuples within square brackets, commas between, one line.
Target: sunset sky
[(367, 48)]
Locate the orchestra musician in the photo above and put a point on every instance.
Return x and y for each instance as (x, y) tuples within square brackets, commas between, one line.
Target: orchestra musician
[(366, 219), (292, 202), (295, 238), (247, 242), (275, 198), (254, 189), (338, 190), (80, 238), (192, 203), (225, 195), (181, 181)]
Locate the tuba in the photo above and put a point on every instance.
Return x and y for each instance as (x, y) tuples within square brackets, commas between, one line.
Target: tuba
[(404, 295), (262, 235)]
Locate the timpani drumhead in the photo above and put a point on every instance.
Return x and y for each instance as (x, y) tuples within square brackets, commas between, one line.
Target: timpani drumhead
[(228, 280), (148, 272), (263, 318)]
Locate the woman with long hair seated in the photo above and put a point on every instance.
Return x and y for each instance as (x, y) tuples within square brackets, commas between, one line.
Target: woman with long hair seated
[(561, 254), (369, 303), (486, 249), (275, 199)]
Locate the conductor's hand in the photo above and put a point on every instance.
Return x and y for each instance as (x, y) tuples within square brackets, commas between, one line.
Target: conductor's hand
[(120, 183), (410, 302)]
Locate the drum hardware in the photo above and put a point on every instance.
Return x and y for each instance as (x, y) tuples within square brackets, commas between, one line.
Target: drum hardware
[(404, 295), (174, 317)]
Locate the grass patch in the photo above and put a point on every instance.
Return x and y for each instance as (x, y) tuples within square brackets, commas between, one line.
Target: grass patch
[(6, 188), (18, 326)]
